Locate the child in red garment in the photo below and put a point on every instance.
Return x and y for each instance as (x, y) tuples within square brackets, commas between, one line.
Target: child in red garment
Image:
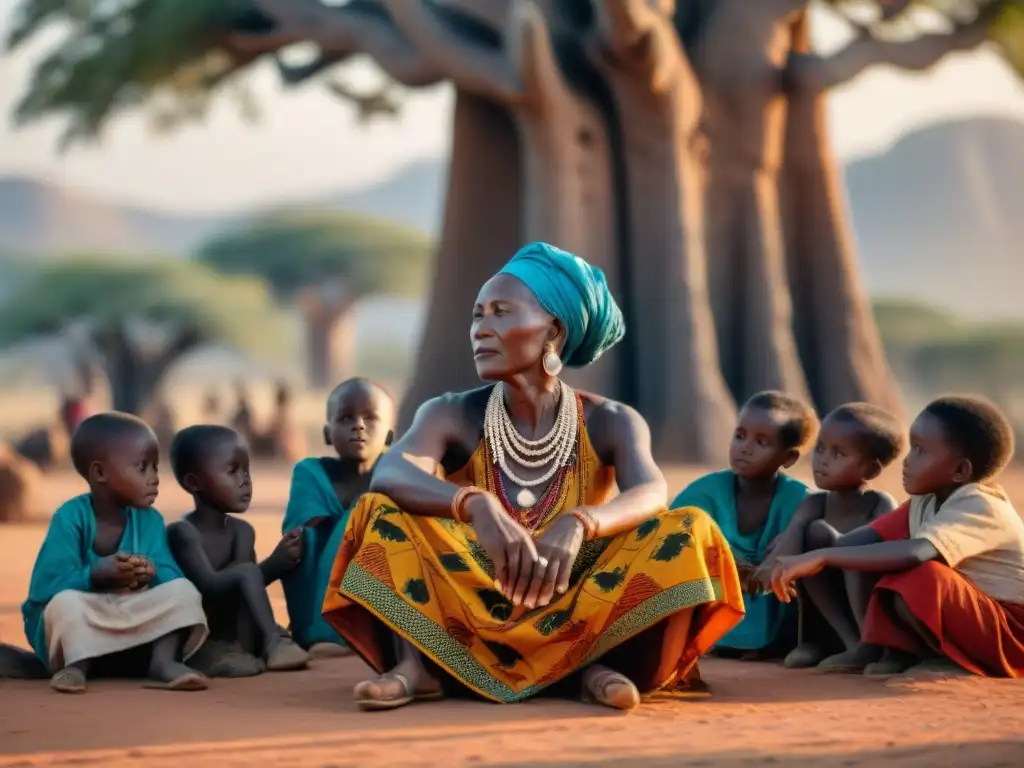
[(948, 565)]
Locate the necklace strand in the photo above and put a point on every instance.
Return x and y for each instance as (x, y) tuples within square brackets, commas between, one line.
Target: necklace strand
[(506, 443)]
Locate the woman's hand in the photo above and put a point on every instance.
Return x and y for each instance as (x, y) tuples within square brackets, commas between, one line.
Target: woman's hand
[(558, 545), (788, 569), (505, 541)]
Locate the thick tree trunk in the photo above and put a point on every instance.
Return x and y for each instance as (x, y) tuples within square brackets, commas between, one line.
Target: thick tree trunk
[(330, 348), (836, 332), (737, 58), (679, 388), (481, 230), (568, 187), (134, 374)]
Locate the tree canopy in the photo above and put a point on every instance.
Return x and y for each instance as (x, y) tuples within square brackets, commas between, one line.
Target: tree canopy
[(294, 250), (172, 56), (166, 296)]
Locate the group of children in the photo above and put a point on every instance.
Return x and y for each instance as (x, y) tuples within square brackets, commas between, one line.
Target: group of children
[(115, 592), (881, 587), (937, 581)]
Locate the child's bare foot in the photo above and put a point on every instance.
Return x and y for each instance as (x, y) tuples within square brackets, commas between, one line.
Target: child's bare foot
[(71, 679), (850, 662), (940, 668), (804, 656), (175, 676), (605, 686), (893, 662), (405, 684), (285, 655)]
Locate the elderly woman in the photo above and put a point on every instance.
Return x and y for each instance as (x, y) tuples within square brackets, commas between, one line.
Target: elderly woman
[(493, 549)]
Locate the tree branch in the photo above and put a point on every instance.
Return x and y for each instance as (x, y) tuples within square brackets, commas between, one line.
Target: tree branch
[(641, 38), (530, 53), (341, 32), (368, 105), (490, 13), (816, 74), (474, 68)]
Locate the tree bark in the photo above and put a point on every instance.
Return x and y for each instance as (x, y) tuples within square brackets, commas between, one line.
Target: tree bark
[(134, 374), (738, 59), (836, 333), (566, 189), (678, 384), (481, 230)]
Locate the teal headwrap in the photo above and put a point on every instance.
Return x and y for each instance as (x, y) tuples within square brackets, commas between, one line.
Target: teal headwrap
[(577, 294)]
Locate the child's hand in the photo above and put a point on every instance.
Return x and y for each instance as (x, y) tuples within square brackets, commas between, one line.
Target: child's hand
[(289, 550), (746, 573), (790, 569), (145, 571), (114, 572)]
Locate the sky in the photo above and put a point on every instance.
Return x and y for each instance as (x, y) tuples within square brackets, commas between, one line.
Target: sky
[(308, 143)]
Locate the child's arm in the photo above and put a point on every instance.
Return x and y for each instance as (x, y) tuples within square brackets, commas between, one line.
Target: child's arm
[(883, 506), (285, 557), (881, 557), (187, 548), (791, 542)]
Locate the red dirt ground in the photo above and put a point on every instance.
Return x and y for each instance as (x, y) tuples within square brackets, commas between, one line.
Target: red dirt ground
[(759, 714)]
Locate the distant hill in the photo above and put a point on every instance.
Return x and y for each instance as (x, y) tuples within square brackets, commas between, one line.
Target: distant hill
[(938, 217), (934, 216)]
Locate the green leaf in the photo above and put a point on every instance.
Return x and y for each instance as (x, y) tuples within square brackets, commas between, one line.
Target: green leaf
[(671, 547), (295, 250), (607, 581), (478, 553), (552, 622), (388, 531), (646, 528), (506, 655), (416, 590), (497, 605), (453, 562)]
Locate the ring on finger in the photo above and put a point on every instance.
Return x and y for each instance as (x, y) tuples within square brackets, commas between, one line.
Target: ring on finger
[(543, 561)]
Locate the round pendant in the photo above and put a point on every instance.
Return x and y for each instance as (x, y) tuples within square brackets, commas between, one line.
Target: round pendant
[(526, 498)]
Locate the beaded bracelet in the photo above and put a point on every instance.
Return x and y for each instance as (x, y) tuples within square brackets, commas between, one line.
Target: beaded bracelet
[(459, 501), (587, 520)]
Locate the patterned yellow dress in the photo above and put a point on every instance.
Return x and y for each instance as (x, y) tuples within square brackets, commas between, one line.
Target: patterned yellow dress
[(650, 600)]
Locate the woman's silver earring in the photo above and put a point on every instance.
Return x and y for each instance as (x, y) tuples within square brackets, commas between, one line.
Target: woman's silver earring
[(552, 362)]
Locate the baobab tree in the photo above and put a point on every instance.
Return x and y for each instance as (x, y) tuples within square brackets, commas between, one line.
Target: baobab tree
[(680, 145)]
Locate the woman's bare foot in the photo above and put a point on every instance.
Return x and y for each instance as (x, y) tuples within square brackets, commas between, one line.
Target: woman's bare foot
[(607, 687), (406, 683), (71, 679)]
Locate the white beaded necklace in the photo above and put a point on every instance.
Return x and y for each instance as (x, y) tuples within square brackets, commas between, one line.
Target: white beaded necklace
[(552, 451)]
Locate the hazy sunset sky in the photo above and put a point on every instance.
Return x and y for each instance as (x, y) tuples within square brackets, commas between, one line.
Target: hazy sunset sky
[(308, 142)]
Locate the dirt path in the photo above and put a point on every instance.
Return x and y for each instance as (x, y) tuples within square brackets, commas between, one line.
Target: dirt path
[(759, 714)]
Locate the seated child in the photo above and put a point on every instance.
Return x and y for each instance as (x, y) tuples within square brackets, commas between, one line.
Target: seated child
[(948, 565), (104, 582), (359, 427), (217, 553), (856, 442), (753, 503)]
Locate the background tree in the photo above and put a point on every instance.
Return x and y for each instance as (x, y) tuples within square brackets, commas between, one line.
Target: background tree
[(574, 113), (325, 263), (140, 317)]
